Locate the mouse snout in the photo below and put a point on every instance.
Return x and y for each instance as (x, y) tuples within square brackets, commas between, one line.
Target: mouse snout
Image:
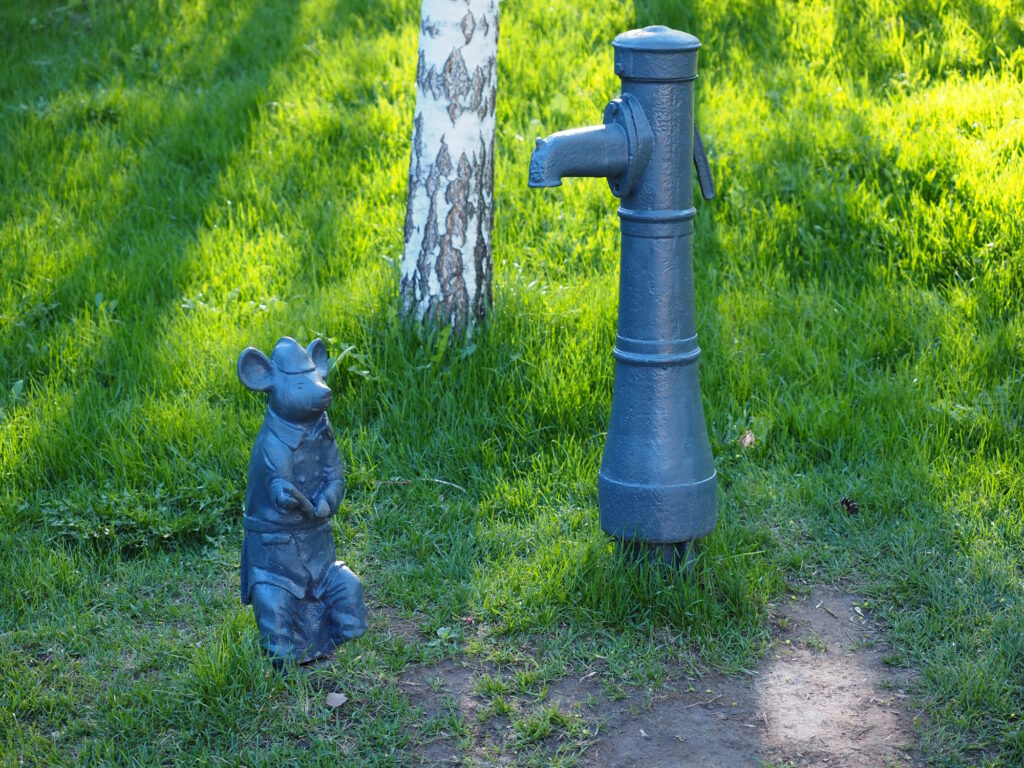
[(325, 394)]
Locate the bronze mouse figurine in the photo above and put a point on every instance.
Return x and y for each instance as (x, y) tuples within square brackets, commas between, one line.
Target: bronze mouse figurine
[(305, 601)]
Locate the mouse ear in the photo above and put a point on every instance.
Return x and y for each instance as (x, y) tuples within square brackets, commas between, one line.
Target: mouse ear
[(254, 370), (317, 352)]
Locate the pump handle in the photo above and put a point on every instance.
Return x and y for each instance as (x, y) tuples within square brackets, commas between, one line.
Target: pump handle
[(700, 160)]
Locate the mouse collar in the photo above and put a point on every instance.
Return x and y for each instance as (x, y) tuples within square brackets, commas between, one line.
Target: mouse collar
[(290, 433)]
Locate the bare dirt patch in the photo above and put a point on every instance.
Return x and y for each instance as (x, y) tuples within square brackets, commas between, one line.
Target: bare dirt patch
[(388, 622), (824, 696)]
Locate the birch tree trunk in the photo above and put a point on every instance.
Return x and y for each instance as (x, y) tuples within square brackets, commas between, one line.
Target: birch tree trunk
[(446, 266)]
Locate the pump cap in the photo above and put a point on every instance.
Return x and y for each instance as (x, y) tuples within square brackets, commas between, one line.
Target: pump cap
[(656, 53)]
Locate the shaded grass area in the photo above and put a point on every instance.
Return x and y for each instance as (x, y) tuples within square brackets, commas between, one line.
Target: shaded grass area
[(183, 180)]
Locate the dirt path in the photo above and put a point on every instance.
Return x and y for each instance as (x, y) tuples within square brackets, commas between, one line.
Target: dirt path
[(824, 696)]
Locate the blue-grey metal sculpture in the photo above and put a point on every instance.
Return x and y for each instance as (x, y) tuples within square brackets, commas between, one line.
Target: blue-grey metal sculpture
[(305, 601), (657, 485)]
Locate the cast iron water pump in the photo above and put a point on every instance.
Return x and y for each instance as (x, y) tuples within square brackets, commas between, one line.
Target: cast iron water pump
[(657, 485)]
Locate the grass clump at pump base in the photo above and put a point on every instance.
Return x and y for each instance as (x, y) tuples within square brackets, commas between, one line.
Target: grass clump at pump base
[(182, 181)]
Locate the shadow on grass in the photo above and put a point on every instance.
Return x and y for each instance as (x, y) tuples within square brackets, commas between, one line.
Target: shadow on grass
[(94, 360)]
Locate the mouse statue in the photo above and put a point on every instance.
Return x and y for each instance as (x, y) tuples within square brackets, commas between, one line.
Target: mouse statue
[(305, 601)]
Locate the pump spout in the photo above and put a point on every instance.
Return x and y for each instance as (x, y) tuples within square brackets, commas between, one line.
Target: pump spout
[(597, 150)]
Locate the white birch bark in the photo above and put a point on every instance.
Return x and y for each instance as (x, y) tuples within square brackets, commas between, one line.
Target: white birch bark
[(446, 266)]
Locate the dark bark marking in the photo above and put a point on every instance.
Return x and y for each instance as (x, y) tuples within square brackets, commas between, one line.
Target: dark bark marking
[(456, 84), (414, 170), (482, 302), (429, 28), (449, 268), (443, 161), (477, 90), (468, 24), (484, 105)]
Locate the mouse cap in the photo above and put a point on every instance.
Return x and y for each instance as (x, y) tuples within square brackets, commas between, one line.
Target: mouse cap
[(290, 357)]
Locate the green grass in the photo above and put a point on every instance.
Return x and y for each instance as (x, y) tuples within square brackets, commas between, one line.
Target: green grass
[(181, 180)]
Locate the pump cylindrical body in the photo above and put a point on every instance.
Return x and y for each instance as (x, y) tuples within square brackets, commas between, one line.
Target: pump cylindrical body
[(657, 482)]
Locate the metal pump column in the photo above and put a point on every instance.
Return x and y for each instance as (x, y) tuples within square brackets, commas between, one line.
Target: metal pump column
[(657, 484)]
